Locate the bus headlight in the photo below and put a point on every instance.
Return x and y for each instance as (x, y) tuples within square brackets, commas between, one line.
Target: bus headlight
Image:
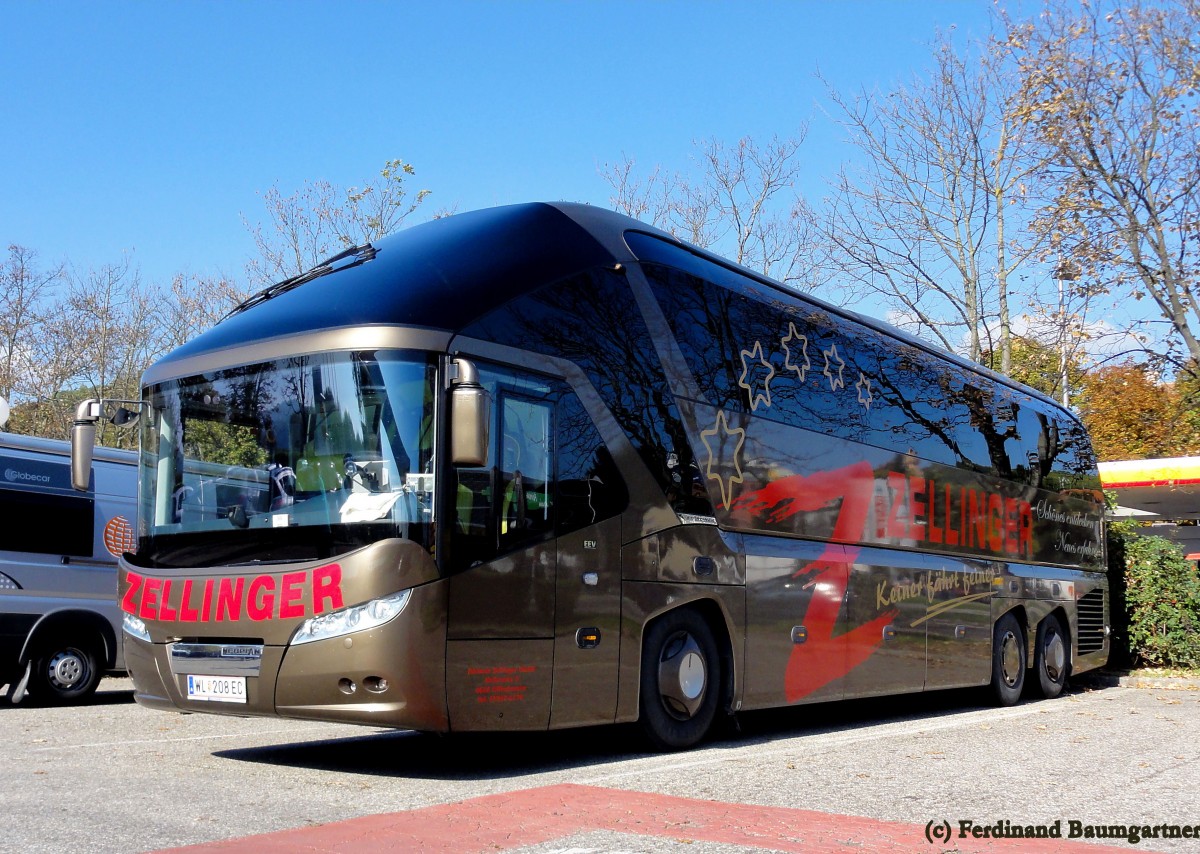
[(133, 626), (356, 619)]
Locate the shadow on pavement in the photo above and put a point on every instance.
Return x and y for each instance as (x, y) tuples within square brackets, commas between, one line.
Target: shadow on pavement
[(472, 756)]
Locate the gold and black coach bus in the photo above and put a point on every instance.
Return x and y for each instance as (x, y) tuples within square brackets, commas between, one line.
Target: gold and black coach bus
[(544, 466)]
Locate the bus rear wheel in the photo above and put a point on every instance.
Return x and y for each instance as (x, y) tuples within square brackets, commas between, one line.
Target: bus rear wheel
[(1008, 660), (681, 679), (1052, 657), (65, 673)]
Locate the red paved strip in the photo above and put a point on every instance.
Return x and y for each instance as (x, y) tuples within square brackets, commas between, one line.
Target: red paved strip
[(534, 816)]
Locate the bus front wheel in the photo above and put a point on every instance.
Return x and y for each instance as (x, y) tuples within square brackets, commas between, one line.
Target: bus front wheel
[(680, 681), (1051, 659), (1008, 660), (64, 673)]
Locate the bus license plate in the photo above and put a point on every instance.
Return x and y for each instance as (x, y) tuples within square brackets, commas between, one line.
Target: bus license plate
[(217, 689)]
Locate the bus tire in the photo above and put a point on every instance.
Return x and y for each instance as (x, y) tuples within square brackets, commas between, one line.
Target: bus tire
[(1052, 657), (680, 680), (1008, 660), (65, 673)]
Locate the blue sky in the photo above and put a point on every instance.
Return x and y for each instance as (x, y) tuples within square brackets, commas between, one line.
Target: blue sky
[(151, 128)]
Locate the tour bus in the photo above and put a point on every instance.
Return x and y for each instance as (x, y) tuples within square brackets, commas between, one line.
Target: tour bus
[(545, 466), (60, 626)]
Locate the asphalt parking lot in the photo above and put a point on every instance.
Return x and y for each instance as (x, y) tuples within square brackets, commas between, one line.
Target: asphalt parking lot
[(112, 776)]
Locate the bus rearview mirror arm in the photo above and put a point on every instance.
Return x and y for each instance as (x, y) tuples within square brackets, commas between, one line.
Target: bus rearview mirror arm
[(83, 433), (470, 416)]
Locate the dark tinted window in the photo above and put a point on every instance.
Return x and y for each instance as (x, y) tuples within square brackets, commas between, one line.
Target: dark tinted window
[(548, 471), (594, 321), (590, 488), (751, 348), (43, 523)]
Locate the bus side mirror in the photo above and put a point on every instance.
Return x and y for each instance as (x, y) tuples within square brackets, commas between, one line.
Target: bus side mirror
[(470, 417), (83, 439)]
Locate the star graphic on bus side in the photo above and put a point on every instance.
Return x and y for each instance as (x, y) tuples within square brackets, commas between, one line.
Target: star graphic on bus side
[(831, 356), (721, 432), (756, 354), (793, 336), (864, 390)]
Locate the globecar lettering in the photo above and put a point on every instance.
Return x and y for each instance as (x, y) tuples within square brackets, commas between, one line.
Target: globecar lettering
[(257, 598)]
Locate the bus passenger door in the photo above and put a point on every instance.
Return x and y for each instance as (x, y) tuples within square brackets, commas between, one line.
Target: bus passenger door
[(590, 495), (503, 557)]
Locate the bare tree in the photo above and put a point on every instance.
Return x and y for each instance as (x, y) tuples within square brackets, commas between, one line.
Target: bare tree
[(742, 202), (112, 325), (193, 304), (321, 219), (1110, 90), (926, 220), (25, 293)]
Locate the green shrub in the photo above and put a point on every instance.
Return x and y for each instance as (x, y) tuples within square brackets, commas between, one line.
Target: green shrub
[(1163, 597)]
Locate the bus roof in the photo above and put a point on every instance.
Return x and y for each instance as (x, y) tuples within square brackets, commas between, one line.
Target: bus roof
[(448, 272)]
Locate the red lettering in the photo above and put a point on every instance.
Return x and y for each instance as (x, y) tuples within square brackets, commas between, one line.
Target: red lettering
[(206, 605), (951, 533), (995, 506), (1026, 513), (149, 609), (916, 486), (229, 599), (289, 595), (262, 598), (978, 520), (1012, 526), (129, 600), (897, 487), (165, 611), (187, 613), (935, 532), (327, 585)]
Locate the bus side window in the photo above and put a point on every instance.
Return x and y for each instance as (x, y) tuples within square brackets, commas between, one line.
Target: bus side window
[(590, 487), (526, 470)]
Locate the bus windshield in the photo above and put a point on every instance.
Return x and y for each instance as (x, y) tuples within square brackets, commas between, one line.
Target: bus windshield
[(302, 458)]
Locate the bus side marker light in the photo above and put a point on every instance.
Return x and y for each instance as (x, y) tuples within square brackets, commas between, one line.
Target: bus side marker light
[(799, 634), (588, 638)]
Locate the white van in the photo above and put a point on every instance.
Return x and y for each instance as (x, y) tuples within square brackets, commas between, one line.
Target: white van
[(60, 627)]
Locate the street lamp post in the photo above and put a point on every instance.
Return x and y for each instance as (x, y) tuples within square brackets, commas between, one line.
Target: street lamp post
[(1064, 272)]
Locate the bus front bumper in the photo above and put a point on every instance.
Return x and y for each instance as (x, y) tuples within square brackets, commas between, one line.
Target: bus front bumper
[(390, 675)]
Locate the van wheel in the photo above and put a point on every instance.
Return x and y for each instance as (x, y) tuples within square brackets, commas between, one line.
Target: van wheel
[(1052, 657), (65, 673), (681, 681), (1008, 660)]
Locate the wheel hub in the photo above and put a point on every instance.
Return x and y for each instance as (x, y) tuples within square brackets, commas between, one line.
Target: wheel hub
[(67, 669), (1055, 656), (1010, 659), (682, 676)]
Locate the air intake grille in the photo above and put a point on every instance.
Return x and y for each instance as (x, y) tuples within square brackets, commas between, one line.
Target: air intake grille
[(1091, 622)]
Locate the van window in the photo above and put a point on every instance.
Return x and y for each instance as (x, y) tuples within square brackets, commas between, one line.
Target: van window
[(43, 523)]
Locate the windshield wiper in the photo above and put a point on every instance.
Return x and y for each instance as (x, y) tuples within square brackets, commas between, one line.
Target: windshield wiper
[(345, 259)]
